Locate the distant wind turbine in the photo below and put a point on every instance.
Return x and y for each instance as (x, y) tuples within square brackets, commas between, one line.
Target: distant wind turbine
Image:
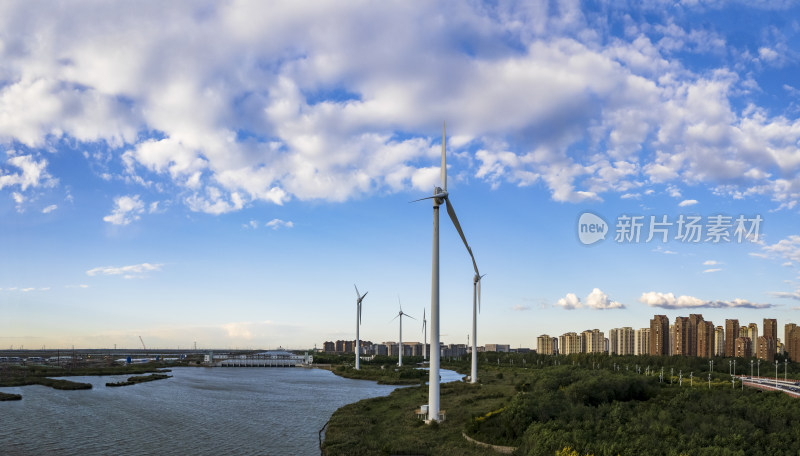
[(359, 298), (440, 196), (400, 315)]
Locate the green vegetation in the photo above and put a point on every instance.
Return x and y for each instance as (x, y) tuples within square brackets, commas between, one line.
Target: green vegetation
[(51, 382), (9, 397), (140, 379), (599, 405), (40, 375), (384, 375)]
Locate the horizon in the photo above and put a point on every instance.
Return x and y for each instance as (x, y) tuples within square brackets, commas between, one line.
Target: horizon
[(224, 173)]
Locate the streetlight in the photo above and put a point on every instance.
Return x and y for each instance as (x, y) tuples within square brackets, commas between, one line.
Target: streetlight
[(680, 378), (691, 378), (712, 365), (709, 380), (672, 374), (776, 373), (730, 372), (751, 368), (734, 366), (758, 367), (784, 368)]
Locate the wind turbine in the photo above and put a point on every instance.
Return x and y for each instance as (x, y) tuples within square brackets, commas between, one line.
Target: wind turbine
[(440, 196), (401, 314), (424, 335), (359, 298)]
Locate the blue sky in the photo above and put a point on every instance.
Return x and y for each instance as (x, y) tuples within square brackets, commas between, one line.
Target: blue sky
[(222, 173)]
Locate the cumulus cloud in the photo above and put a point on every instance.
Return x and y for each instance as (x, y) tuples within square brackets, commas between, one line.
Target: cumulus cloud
[(129, 272), (689, 202), (599, 300), (596, 300), (278, 223), (126, 210), (669, 301), (569, 302), (234, 103)]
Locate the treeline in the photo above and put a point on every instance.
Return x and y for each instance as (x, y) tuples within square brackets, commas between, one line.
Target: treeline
[(621, 412)]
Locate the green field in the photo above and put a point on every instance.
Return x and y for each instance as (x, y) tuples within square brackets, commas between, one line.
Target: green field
[(599, 405)]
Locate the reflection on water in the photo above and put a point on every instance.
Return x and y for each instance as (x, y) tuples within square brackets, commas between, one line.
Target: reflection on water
[(200, 411)]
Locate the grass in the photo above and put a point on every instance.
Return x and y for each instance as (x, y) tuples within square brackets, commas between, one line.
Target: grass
[(40, 375), (384, 374), (140, 379), (388, 425), (9, 397)]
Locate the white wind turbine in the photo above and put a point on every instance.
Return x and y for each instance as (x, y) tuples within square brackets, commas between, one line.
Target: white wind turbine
[(359, 298), (401, 314), (440, 196)]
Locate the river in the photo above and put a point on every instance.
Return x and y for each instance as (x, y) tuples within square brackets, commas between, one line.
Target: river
[(199, 411)]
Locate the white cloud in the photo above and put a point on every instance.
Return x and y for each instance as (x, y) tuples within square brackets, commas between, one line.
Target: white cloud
[(278, 223), (596, 300), (32, 173), (49, 209), (669, 301), (521, 308), (711, 263), (689, 202), (599, 300), (787, 249), (126, 210), (128, 272), (249, 108), (712, 270), (569, 302)]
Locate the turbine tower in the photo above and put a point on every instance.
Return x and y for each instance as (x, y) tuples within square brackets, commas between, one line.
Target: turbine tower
[(440, 196), (424, 335), (476, 291), (359, 298), (401, 314)]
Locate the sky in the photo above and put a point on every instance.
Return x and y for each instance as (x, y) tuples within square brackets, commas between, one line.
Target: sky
[(223, 173)]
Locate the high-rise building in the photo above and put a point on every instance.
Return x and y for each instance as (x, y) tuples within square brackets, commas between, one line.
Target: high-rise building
[(719, 341), (765, 348), (771, 329), (592, 341), (621, 341), (642, 342), (671, 340), (743, 347), (659, 335), (705, 339), (545, 345), (787, 346), (569, 343), (683, 336), (731, 334), (695, 320), (612, 337), (752, 332), (498, 348)]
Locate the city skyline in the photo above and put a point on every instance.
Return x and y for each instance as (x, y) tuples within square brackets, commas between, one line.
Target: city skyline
[(223, 173)]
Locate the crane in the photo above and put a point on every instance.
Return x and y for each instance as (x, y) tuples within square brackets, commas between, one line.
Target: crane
[(140, 340)]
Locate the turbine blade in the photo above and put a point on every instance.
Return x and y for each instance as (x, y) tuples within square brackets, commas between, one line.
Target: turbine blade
[(453, 217), (444, 160), (409, 316), (438, 195), (358, 295), (364, 295), (395, 318)]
